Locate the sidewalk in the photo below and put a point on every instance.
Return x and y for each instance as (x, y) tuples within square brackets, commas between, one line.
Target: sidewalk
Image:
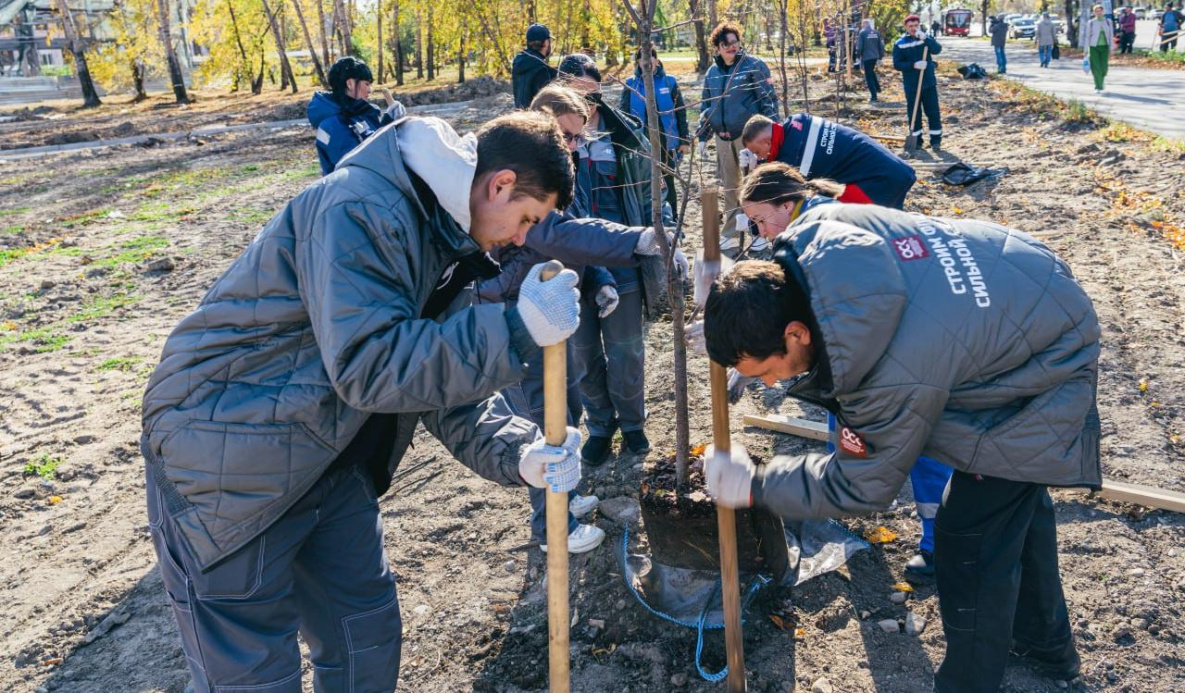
[(1148, 99)]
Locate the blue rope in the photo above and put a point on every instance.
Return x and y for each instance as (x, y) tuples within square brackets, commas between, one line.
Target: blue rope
[(701, 625)]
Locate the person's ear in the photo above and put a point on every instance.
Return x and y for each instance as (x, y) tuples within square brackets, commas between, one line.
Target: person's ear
[(797, 334), (501, 184)]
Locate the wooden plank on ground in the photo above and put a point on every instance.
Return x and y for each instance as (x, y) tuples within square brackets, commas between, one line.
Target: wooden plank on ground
[(1147, 496)]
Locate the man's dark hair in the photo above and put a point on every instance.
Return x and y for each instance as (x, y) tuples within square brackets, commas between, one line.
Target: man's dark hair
[(348, 68), (721, 32), (531, 145), (579, 65), (748, 311)]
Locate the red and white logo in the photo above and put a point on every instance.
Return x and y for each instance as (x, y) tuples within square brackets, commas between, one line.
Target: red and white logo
[(910, 248), (851, 443)]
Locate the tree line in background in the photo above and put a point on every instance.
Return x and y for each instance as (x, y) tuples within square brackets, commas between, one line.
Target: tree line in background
[(250, 44)]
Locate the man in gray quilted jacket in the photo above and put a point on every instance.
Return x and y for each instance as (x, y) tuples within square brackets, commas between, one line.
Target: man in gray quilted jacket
[(964, 341), (283, 404)]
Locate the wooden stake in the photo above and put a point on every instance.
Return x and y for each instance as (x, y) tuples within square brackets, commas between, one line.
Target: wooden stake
[(555, 431), (1148, 496), (726, 520)]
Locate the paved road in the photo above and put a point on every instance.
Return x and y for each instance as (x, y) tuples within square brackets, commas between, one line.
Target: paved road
[(1148, 99)]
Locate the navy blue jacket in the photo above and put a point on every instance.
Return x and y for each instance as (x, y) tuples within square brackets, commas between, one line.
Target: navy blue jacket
[(672, 112), (820, 148), (528, 75), (734, 94), (908, 51), (341, 127)]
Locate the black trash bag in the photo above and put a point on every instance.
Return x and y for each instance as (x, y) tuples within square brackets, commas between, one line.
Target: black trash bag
[(962, 174), (972, 71), (1056, 53)]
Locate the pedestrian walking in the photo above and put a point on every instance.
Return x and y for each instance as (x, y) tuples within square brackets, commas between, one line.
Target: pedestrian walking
[(913, 56), (870, 49), (1127, 30), (736, 87), (1171, 24), (856, 308), (1046, 39), (530, 71), (672, 118), (1100, 37), (999, 33)]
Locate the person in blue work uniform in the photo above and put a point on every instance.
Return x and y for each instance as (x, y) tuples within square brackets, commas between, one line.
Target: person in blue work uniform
[(821, 148), (736, 87), (612, 183), (870, 49), (672, 117), (344, 117), (907, 58)]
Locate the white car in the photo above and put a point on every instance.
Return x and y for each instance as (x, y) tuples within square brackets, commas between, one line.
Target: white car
[(1154, 14)]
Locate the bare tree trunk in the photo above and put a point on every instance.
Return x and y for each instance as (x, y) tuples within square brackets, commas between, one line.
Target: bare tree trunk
[(90, 96), (704, 61), (379, 34), (138, 80), (431, 48), (461, 56), (166, 39), (344, 26), (419, 46), (286, 76), (783, 11), (308, 39), (324, 38), (713, 19), (398, 45)]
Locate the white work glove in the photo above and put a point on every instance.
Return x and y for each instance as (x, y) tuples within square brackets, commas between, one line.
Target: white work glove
[(395, 111), (693, 334), (648, 242), (607, 300), (706, 273), (730, 477), (550, 309), (920, 65), (702, 150), (748, 160), (737, 384), (554, 468), (682, 267)]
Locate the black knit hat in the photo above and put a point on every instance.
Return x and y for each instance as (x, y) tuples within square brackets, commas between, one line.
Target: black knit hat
[(346, 68)]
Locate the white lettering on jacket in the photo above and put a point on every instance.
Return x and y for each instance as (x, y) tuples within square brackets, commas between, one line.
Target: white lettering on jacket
[(958, 262)]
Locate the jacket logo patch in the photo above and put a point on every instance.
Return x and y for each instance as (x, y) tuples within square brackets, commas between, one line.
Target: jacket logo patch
[(910, 248), (851, 443), (796, 124)]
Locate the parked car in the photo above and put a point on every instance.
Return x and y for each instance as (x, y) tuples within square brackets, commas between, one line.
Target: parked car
[(1023, 28), (1154, 14), (1141, 12)]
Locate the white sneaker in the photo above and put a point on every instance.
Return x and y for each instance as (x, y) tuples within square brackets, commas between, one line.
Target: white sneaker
[(583, 539), (580, 506)]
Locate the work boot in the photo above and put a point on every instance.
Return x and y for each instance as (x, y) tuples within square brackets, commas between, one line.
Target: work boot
[(583, 539), (580, 506), (1052, 665), (596, 451), (921, 566), (636, 441), (936, 143)]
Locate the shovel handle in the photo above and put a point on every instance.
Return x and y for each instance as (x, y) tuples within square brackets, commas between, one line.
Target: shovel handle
[(917, 102), (555, 431)]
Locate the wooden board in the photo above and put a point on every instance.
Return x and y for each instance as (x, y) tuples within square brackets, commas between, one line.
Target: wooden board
[(1148, 496)]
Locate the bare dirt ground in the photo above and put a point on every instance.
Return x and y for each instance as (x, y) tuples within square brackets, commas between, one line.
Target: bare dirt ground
[(102, 253)]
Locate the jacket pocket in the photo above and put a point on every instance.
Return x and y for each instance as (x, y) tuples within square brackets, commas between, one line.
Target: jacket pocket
[(235, 578), (373, 640)]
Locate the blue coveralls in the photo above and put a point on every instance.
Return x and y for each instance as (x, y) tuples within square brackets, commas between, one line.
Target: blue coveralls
[(906, 52)]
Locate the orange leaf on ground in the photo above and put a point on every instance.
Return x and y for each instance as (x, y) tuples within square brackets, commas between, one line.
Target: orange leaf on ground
[(880, 535)]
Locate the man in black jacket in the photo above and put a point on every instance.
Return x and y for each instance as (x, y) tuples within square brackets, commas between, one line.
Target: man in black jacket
[(530, 71)]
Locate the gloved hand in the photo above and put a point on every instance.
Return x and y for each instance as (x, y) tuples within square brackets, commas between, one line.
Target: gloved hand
[(693, 334), (729, 476), (550, 309), (395, 111), (648, 242), (736, 385), (607, 300), (705, 275), (681, 264), (684, 148), (920, 65), (748, 160), (702, 150), (554, 468)]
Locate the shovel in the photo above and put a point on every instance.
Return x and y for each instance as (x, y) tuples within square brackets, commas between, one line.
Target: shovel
[(911, 140), (555, 430)]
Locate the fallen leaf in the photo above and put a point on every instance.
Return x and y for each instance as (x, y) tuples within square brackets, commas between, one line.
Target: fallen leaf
[(778, 621), (1143, 384), (698, 450), (880, 535), (800, 633), (903, 587), (54, 500)]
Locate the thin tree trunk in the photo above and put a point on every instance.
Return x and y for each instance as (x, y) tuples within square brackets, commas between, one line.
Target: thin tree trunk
[(90, 96), (713, 19), (286, 77), (419, 46), (379, 33), (244, 67), (398, 45), (344, 25), (704, 61), (166, 39), (324, 38), (783, 11), (138, 80), (308, 39), (461, 55), (431, 48)]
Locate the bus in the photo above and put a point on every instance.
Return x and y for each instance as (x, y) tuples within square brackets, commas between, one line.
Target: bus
[(957, 22)]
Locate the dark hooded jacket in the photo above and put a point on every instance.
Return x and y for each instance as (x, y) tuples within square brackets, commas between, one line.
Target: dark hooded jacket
[(529, 73), (960, 340)]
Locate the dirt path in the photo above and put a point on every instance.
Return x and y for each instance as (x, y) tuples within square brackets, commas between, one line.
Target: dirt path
[(97, 268)]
